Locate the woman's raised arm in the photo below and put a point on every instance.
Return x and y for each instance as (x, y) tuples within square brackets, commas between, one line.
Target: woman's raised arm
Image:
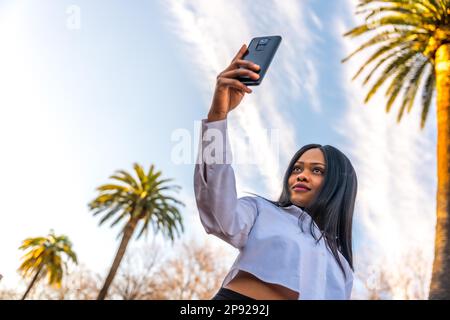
[(221, 212)]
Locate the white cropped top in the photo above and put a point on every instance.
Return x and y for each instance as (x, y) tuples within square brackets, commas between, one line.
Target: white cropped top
[(271, 244)]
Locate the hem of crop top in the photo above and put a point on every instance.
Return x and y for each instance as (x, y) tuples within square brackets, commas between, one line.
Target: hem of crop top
[(234, 271)]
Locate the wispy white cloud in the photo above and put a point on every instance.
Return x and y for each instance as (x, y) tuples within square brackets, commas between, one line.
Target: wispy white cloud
[(395, 164), (316, 20)]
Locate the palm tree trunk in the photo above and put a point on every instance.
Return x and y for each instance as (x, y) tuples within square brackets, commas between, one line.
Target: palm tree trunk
[(36, 276), (440, 280), (128, 232)]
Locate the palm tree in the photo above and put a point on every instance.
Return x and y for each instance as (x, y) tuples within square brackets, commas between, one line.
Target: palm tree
[(45, 257), (413, 38), (137, 201)]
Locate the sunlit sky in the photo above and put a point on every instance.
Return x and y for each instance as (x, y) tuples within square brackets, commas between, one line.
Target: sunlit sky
[(90, 87)]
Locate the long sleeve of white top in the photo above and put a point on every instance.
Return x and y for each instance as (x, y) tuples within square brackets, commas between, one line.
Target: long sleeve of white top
[(221, 212)]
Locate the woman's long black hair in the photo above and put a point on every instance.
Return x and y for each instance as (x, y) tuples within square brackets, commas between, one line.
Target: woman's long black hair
[(332, 207)]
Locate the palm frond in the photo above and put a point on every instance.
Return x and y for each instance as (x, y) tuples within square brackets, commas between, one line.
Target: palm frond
[(400, 21), (396, 85), (423, 5), (111, 213), (113, 187), (393, 36), (125, 177), (411, 88), (144, 227), (427, 97), (141, 174), (387, 72), (416, 9), (415, 81), (408, 34), (123, 215)]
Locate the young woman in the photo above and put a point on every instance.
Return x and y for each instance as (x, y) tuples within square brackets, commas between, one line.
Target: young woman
[(299, 247)]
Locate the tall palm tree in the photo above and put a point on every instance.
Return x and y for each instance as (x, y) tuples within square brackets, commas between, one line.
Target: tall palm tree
[(143, 200), (413, 47), (45, 258)]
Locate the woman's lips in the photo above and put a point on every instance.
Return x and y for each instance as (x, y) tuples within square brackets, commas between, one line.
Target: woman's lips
[(299, 189)]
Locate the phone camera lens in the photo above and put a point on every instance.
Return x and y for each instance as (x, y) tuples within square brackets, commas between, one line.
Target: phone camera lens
[(263, 41)]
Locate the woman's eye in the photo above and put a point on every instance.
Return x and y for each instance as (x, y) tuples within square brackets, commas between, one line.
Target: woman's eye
[(315, 169)]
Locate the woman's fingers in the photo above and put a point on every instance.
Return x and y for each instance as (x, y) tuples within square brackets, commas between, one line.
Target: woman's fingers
[(238, 67), (238, 56), (239, 63), (239, 72), (226, 82), (247, 64)]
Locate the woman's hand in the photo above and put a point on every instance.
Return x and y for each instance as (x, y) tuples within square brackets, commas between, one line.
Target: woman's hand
[(229, 91)]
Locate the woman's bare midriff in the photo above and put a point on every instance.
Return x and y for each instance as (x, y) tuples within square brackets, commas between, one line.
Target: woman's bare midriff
[(247, 284)]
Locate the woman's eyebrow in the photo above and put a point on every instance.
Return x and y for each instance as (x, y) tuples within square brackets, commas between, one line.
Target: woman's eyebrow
[(310, 163)]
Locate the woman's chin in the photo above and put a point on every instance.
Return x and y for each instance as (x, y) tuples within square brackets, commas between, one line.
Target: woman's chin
[(297, 203)]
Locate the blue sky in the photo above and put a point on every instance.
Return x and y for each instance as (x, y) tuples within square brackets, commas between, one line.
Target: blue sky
[(76, 104)]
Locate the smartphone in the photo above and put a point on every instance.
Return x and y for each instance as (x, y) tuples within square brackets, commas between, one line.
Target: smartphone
[(261, 51)]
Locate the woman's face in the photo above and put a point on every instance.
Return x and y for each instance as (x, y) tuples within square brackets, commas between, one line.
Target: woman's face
[(309, 170)]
